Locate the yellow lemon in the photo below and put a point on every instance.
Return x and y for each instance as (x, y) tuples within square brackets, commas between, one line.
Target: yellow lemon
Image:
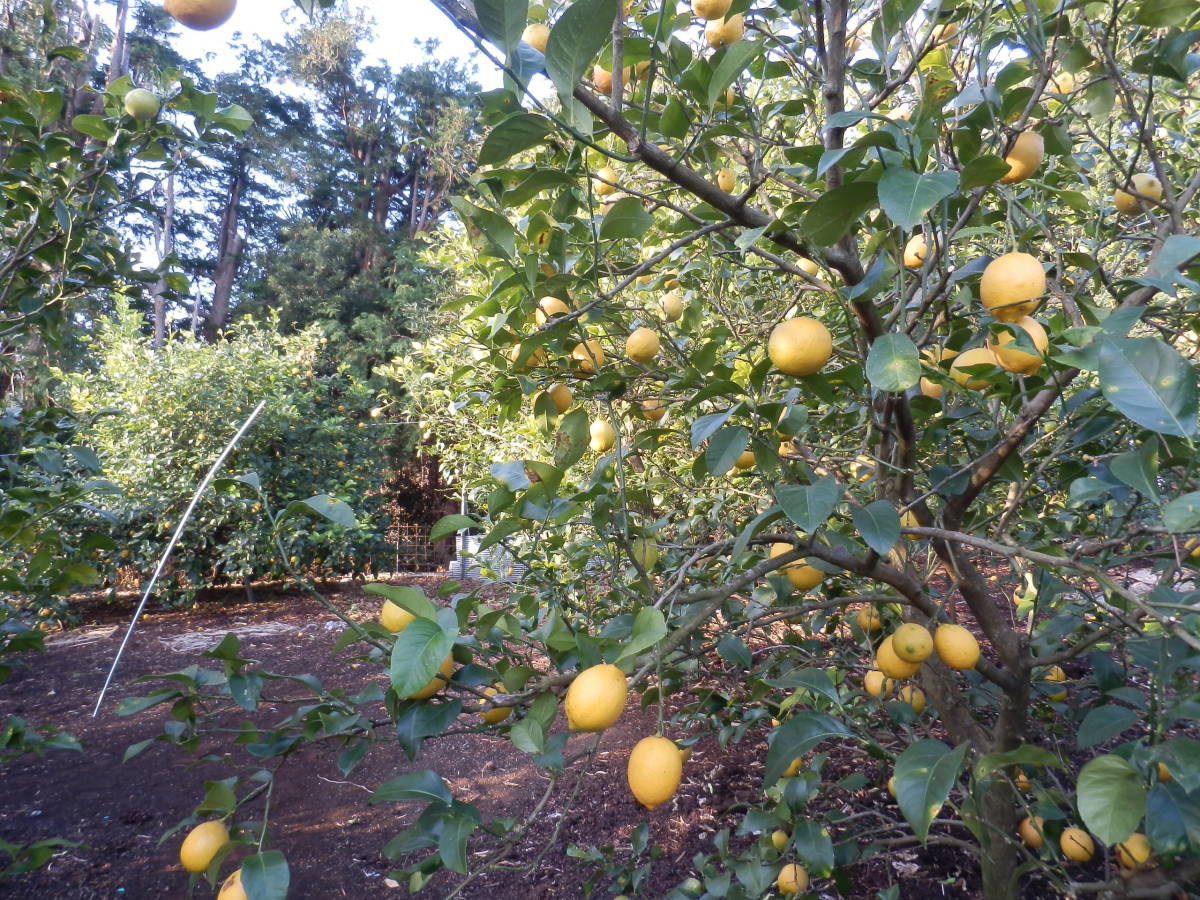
[(891, 665), (232, 888), (1077, 845), (495, 714), (912, 642), (745, 460), (200, 15), (800, 346), (791, 880), (394, 618), (645, 551), (978, 356), (642, 345), (891, 786), (723, 32), (548, 308), (877, 684), (807, 266), (1134, 851), (536, 358), (1147, 185), (914, 251), (1031, 832), (914, 697), (868, 619), (1162, 772), (779, 839), (202, 844), (596, 698), (725, 180), (956, 646), (711, 9), (654, 771), (608, 177), (602, 79), (1011, 285), (653, 410), (1025, 157), (802, 576), (561, 396), (670, 306), (793, 768), (603, 436), (1014, 359), (445, 670), (536, 35), (588, 356)]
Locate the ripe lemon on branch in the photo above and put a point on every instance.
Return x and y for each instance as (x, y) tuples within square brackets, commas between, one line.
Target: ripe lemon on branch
[(200, 15), (800, 346), (654, 771), (596, 698), (202, 844), (956, 646)]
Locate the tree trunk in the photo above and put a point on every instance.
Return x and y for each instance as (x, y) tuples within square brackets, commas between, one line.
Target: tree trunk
[(118, 64), (166, 246), (229, 251)]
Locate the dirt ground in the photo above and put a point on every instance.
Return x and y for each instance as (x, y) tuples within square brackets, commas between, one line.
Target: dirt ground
[(320, 820)]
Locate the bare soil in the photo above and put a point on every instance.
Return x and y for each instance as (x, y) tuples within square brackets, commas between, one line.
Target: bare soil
[(118, 811)]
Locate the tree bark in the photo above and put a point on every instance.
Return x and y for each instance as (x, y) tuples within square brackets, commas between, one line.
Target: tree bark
[(166, 246), (229, 251)]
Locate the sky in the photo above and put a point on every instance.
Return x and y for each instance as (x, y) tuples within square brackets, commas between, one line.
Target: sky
[(399, 24)]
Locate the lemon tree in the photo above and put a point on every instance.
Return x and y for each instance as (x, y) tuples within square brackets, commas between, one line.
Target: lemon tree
[(955, 335)]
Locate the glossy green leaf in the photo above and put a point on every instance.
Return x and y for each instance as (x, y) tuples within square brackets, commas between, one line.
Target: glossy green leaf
[(879, 525), (576, 39), (835, 212), (452, 524), (799, 733), (502, 20), (907, 196), (724, 448), (925, 772), (422, 787), (809, 506), (893, 363), (1111, 797), (626, 219), (1150, 383), (514, 135), (418, 653), (265, 876), (649, 627)]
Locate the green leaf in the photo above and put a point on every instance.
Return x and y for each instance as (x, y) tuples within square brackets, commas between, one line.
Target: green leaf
[(724, 448), (649, 627), (452, 842), (796, 736), (982, 170), (706, 426), (406, 597), (879, 525), (1103, 723), (424, 787), (809, 506), (82, 573), (323, 505), (733, 650), (93, 126), (576, 39), (906, 196), (1177, 250), (1159, 13), (513, 135), (1138, 469), (1182, 756), (1182, 513), (418, 653), (502, 21), (448, 525), (571, 439), (733, 60), (626, 219), (418, 721), (893, 363), (235, 118), (1150, 383), (528, 736), (1025, 755), (1111, 798), (835, 212), (265, 876), (925, 773), (1172, 818), (497, 229), (814, 846)]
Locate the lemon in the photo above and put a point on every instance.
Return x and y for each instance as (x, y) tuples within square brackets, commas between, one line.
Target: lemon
[(642, 345), (596, 698), (1014, 359), (588, 357), (1144, 184), (560, 395), (1077, 845), (141, 104), (802, 576), (1064, 83), (941, 34), (792, 879), (977, 356), (912, 642), (914, 697), (670, 306), (548, 308), (536, 35), (891, 665), (445, 670), (202, 844), (602, 79), (800, 346), (654, 771), (868, 619), (711, 9), (1021, 780), (914, 251), (394, 618), (1134, 851), (876, 683), (1031, 832), (495, 714), (1011, 285), (1162, 772), (645, 551), (536, 358), (653, 410), (891, 786), (793, 768), (807, 266), (745, 460), (608, 177), (723, 32), (603, 436), (1025, 157), (956, 646), (779, 839), (726, 180), (200, 15), (232, 888)]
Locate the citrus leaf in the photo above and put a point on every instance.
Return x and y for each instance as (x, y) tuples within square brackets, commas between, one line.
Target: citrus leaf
[(809, 506), (1111, 798), (576, 39), (724, 448), (1150, 383), (814, 846), (735, 58), (649, 627), (514, 134), (1182, 513), (800, 733), (706, 426), (1102, 724), (982, 170), (452, 842), (626, 219), (906, 196), (418, 721), (836, 211), (1172, 818), (452, 524), (1157, 13), (425, 787), (1025, 755), (925, 773), (502, 21), (571, 439), (1138, 469), (410, 598), (893, 363), (265, 876), (879, 525), (418, 653)]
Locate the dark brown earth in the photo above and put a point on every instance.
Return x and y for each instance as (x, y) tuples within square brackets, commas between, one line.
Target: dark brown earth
[(321, 821)]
